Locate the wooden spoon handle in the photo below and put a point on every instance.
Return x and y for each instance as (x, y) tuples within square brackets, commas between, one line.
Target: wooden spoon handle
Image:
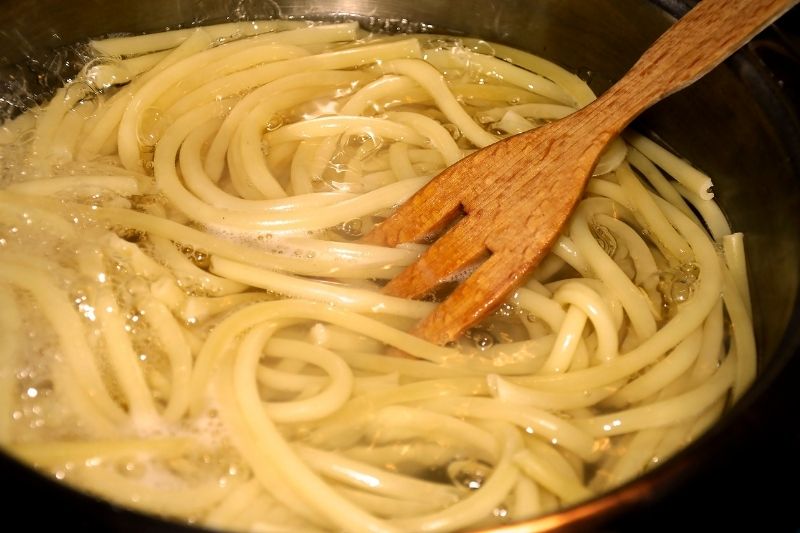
[(705, 36)]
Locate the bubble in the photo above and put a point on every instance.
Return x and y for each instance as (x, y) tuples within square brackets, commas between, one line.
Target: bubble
[(690, 271), (199, 258), (453, 74), (365, 144), (130, 234), (371, 143), (501, 511), (152, 125), (443, 43), (680, 291), (468, 473), (477, 75), (130, 469), (104, 72), (146, 161), (81, 97), (87, 311), (276, 121), (678, 285), (27, 136), (453, 130), (394, 25), (482, 47), (604, 238), (79, 91), (132, 320), (352, 229), (482, 339), (506, 310)]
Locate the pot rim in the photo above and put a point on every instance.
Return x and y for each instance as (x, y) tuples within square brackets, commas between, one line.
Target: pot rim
[(712, 447)]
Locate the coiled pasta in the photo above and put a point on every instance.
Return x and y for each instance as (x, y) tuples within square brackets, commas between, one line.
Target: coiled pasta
[(191, 327)]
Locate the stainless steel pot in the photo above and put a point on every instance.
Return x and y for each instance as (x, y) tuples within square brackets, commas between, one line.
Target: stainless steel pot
[(740, 124)]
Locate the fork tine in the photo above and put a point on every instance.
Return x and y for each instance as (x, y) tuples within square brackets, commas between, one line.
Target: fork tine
[(514, 244), (425, 213), (439, 202), (473, 299), (462, 246)]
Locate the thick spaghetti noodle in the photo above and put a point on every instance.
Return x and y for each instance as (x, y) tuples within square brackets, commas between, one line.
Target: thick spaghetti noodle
[(191, 327)]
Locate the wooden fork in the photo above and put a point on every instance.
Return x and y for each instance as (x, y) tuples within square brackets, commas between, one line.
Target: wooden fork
[(515, 196)]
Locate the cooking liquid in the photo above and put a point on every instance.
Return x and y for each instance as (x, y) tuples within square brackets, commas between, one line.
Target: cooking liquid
[(193, 466)]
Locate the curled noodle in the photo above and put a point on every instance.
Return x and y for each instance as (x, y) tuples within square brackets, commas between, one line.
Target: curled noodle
[(212, 343)]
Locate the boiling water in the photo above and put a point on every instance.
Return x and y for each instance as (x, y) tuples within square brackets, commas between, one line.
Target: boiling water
[(118, 290)]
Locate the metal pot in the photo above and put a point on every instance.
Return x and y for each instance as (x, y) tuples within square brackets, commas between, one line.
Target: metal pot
[(740, 124)]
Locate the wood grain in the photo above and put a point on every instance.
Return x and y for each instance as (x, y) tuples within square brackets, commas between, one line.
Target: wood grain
[(515, 196)]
